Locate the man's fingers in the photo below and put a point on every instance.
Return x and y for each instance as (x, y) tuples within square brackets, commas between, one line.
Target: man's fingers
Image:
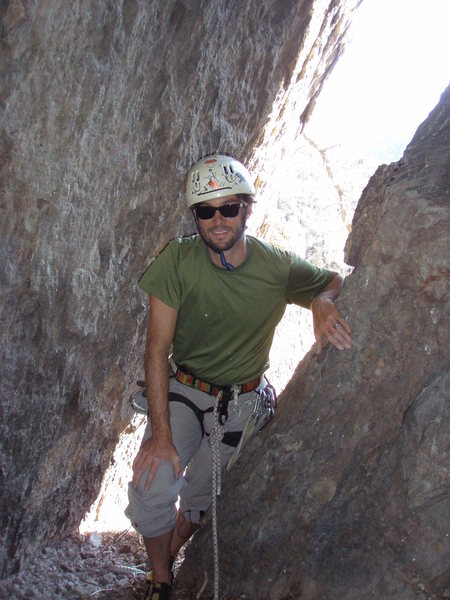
[(138, 469), (337, 333), (151, 473), (319, 345), (340, 336), (146, 461), (343, 331), (343, 327), (176, 466), (137, 473)]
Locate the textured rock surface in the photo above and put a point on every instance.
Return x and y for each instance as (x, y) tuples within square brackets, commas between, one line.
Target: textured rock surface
[(345, 495), (104, 105)]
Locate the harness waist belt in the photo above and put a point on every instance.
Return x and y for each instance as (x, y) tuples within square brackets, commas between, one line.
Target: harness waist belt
[(211, 388)]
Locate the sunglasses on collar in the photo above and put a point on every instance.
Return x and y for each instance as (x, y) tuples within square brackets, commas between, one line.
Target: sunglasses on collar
[(228, 211)]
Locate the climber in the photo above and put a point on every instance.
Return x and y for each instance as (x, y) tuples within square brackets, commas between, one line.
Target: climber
[(216, 298)]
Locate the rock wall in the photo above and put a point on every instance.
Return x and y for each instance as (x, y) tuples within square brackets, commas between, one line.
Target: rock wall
[(104, 106), (345, 494)]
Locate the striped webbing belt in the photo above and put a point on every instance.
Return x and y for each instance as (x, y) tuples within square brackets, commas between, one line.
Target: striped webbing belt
[(211, 388)]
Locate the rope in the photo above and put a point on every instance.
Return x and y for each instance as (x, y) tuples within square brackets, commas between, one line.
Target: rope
[(215, 437), (264, 408)]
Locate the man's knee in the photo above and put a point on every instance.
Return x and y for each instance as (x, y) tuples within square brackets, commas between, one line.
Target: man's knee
[(152, 512)]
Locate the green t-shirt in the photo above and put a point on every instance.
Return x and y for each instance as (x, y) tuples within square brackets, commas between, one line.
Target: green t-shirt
[(227, 319)]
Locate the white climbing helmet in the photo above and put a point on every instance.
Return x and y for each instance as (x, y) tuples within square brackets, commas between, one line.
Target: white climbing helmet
[(216, 176)]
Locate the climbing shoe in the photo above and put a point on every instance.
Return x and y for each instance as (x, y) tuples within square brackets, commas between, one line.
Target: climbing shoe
[(158, 591)]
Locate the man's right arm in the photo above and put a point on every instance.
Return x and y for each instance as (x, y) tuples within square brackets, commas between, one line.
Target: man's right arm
[(159, 447)]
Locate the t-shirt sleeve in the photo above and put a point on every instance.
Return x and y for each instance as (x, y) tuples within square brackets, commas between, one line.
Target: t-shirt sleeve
[(305, 281), (161, 277)]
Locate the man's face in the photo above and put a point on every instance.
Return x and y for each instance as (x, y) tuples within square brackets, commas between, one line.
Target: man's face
[(222, 233)]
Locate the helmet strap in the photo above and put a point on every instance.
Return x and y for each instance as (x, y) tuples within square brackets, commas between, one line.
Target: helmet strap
[(224, 262)]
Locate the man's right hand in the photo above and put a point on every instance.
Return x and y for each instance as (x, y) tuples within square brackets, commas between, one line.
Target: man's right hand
[(151, 454)]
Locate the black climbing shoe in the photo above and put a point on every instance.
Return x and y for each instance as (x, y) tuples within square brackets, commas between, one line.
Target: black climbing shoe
[(158, 591)]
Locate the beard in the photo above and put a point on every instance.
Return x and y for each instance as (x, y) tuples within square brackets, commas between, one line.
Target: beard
[(237, 233)]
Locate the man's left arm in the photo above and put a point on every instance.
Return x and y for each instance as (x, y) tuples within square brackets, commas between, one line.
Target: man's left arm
[(327, 320)]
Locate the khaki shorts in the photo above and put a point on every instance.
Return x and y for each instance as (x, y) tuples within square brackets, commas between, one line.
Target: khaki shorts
[(153, 512)]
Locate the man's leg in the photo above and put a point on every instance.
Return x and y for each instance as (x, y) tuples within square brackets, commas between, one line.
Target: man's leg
[(183, 530), (195, 498), (152, 512), (158, 550), (164, 549)]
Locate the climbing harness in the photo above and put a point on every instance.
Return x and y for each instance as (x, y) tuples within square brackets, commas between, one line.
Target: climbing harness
[(183, 375)]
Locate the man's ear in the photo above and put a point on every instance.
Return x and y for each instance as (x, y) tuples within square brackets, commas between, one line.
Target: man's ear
[(249, 209)]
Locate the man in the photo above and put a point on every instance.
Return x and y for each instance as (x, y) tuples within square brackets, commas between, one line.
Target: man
[(217, 297)]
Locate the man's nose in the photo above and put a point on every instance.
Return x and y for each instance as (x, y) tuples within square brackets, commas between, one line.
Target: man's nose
[(218, 218)]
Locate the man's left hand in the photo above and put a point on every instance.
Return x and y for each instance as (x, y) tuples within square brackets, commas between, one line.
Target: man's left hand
[(329, 325)]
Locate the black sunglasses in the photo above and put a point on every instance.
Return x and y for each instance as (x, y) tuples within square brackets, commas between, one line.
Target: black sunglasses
[(226, 210)]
